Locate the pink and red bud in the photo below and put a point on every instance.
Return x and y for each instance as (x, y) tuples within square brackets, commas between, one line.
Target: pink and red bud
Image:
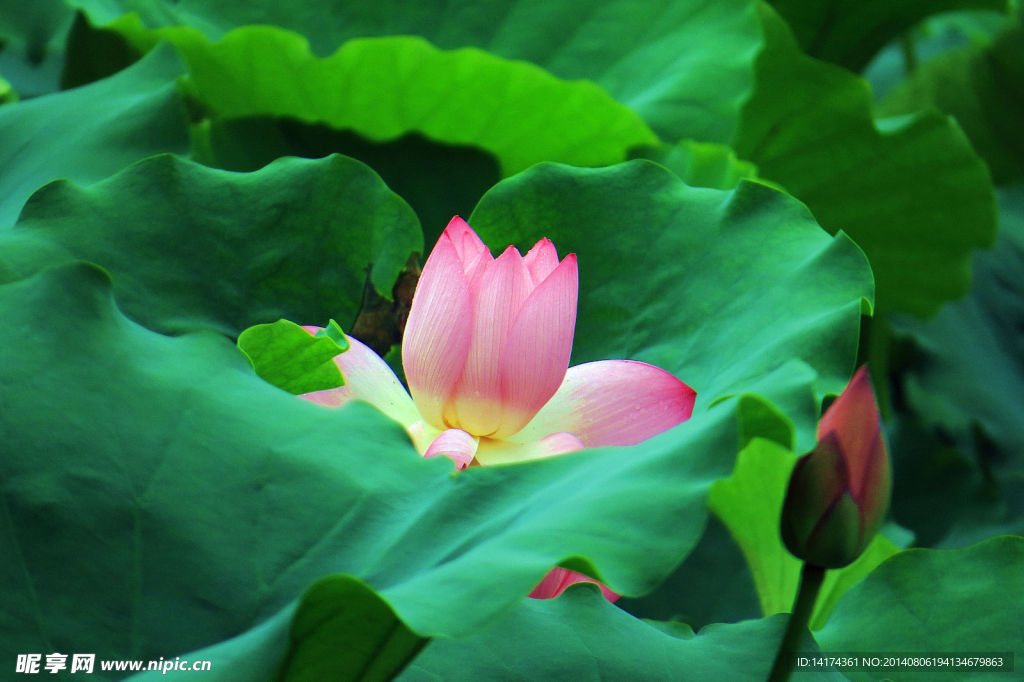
[(839, 492)]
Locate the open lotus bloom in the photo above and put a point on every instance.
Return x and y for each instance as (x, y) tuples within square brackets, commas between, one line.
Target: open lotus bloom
[(486, 353)]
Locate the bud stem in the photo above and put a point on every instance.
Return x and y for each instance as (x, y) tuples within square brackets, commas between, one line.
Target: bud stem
[(811, 578)]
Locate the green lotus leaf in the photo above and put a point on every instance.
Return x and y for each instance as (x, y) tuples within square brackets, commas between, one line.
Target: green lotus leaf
[(340, 629), (438, 180), (683, 66), (578, 633), (892, 186), (384, 88), (701, 164), (664, 80), (224, 251), (285, 355), (935, 601), (89, 133), (255, 654), (343, 630), (715, 566), (581, 636), (977, 85)]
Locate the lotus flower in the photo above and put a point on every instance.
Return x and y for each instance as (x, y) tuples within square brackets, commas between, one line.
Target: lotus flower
[(839, 492), (486, 354)]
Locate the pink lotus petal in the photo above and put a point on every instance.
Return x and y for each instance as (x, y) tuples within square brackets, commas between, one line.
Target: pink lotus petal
[(423, 434), (853, 426), (535, 355), (558, 578), (456, 445), (367, 377), (438, 332), (466, 242), (541, 260), (493, 452), (476, 268), (613, 402), (853, 418), (561, 443), (497, 296)]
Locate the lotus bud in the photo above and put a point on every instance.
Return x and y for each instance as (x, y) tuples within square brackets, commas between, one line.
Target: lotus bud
[(839, 492)]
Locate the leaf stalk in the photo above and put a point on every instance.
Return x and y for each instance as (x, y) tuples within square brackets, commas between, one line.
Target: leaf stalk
[(811, 577)]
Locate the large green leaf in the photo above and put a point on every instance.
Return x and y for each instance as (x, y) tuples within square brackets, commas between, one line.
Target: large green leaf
[(437, 180), (893, 188), (134, 504), (676, 276), (851, 32), (715, 566), (343, 630), (701, 164), (256, 654), (89, 133), (387, 87), (981, 86), (191, 247), (936, 601), (685, 67), (580, 636)]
